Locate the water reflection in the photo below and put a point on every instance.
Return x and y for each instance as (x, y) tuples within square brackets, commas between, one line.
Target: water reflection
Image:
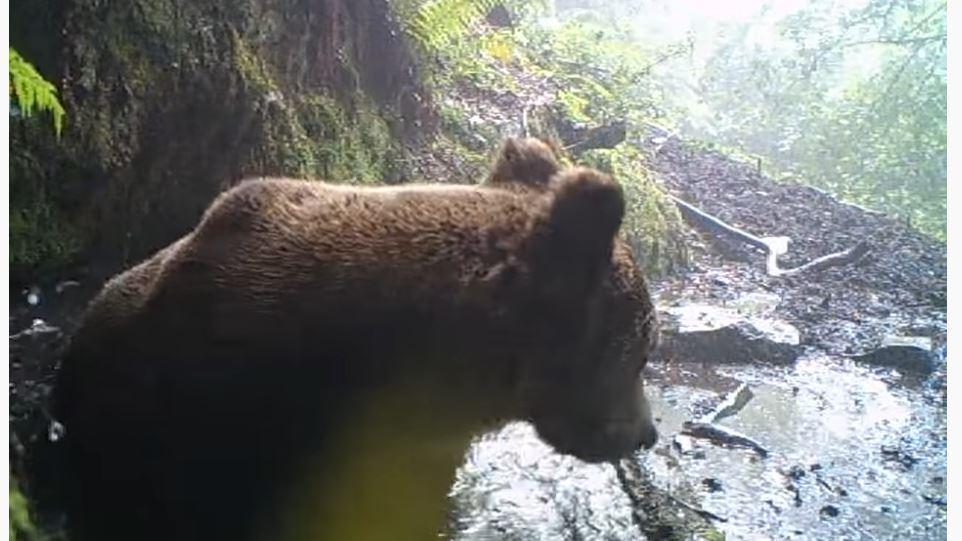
[(853, 455)]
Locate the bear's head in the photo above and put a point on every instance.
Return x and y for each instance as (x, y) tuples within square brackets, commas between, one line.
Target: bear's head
[(584, 393), (526, 162)]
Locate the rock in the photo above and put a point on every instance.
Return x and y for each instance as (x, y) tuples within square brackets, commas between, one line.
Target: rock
[(34, 354), (898, 456), (905, 353), (500, 17), (684, 444), (795, 472), (712, 484), (829, 511), (709, 334)]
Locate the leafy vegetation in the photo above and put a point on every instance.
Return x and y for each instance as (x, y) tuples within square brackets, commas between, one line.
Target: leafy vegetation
[(853, 101), (589, 72), (21, 525), (436, 23), (33, 92), (38, 232)]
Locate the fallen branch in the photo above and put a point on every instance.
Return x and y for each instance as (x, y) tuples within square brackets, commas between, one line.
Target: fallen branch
[(732, 404), (707, 515), (831, 260), (722, 436), (772, 246), (697, 217)]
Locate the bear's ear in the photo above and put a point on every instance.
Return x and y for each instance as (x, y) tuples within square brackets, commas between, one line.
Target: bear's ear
[(509, 150), (507, 153), (585, 210)]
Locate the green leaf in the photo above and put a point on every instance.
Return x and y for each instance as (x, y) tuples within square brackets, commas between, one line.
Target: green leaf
[(33, 92)]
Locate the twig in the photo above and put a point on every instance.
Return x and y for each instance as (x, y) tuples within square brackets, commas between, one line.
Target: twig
[(708, 515)]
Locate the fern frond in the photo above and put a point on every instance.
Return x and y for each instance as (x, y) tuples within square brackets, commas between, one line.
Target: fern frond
[(33, 92), (437, 22)]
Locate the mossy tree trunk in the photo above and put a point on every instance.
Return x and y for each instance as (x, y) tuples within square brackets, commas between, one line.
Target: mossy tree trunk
[(171, 101)]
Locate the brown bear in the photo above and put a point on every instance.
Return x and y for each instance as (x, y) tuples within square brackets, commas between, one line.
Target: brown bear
[(312, 361), (524, 162)]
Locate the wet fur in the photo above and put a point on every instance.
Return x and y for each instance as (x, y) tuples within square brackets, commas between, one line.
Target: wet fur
[(302, 326)]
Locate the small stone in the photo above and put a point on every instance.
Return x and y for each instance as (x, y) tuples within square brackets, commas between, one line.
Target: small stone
[(905, 353), (828, 511), (712, 484), (899, 456), (796, 472)]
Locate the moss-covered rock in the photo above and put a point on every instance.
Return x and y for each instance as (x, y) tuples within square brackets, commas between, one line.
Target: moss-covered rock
[(170, 102), (652, 222)]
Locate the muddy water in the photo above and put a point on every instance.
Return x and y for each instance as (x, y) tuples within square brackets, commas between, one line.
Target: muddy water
[(855, 453)]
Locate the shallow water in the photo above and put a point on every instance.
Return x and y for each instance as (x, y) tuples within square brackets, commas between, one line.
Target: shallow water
[(854, 454)]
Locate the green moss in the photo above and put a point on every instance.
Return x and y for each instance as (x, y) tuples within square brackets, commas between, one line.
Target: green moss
[(712, 534), (349, 145), (21, 525), (166, 101), (652, 223), (41, 235), (313, 134)]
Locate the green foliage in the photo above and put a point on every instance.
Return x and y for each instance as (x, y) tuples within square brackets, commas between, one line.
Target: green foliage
[(437, 22), (597, 73), (854, 102), (33, 92), (599, 67), (21, 525), (712, 534)]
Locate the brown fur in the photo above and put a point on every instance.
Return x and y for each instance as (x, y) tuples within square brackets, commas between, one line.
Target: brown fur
[(302, 329), (524, 162)]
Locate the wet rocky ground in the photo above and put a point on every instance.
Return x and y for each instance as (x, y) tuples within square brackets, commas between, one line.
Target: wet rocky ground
[(853, 432)]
